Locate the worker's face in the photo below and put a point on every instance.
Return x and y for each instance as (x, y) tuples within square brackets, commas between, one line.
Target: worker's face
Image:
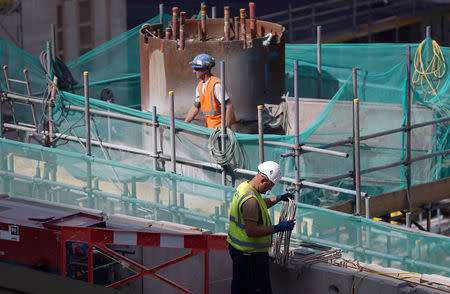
[(266, 184), (200, 73)]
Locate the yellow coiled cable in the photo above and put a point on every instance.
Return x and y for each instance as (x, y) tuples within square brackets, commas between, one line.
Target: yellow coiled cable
[(426, 75)]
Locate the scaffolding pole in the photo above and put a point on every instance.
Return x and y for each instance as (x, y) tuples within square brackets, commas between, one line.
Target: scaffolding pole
[(87, 118), (260, 134), (172, 132), (356, 144), (297, 133), (223, 120), (408, 128), (155, 138), (319, 62)]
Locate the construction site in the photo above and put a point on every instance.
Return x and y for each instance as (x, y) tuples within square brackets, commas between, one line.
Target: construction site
[(105, 188)]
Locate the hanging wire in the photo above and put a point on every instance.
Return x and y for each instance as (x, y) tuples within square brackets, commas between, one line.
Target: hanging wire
[(222, 157), (428, 76)]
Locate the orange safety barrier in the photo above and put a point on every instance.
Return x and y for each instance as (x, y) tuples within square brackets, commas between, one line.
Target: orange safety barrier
[(100, 238)]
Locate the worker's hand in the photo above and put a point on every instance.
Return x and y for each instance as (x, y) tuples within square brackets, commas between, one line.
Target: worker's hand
[(285, 226), (285, 197)]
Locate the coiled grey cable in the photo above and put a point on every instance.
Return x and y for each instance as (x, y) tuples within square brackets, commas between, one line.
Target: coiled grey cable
[(222, 157)]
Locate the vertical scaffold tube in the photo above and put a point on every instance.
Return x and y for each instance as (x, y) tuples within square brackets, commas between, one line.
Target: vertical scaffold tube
[(357, 156), (223, 113), (297, 134), (408, 126), (161, 12), (27, 80), (87, 118), (260, 134), (319, 61), (172, 132), (1, 122), (8, 83), (367, 204), (251, 8), (226, 23), (49, 65), (175, 23), (243, 36), (155, 138), (213, 12), (236, 27), (50, 110), (53, 41), (203, 23)]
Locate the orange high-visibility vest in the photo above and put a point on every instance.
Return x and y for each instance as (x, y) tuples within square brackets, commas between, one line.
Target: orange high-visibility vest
[(209, 104)]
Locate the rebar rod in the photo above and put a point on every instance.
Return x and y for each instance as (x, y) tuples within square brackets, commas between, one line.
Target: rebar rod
[(203, 22), (175, 28), (226, 23)]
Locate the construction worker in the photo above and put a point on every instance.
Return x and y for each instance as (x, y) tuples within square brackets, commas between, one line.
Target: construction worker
[(250, 232), (208, 95)]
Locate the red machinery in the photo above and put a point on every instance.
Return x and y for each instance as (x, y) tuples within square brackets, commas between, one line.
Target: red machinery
[(78, 245)]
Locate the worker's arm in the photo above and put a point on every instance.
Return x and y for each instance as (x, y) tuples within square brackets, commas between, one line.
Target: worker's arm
[(270, 201), (251, 214), (254, 230), (192, 113), (274, 200), (228, 113)]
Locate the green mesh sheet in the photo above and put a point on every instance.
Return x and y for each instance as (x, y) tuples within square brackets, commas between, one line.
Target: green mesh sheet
[(61, 176), (114, 65), (381, 90)]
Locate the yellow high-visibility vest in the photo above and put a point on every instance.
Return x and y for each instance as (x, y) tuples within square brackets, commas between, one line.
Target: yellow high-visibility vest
[(237, 236)]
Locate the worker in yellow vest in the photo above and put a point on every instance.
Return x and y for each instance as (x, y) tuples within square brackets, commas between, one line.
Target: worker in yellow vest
[(208, 95), (251, 230)]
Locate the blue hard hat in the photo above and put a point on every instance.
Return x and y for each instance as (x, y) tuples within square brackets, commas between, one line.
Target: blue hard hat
[(203, 61)]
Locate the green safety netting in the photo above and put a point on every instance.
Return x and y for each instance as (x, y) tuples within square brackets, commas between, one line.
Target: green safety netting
[(60, 176), (114, 65), (381, 89)]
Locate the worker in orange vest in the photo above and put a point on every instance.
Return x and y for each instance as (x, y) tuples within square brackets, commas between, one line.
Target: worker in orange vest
[(208, 95)]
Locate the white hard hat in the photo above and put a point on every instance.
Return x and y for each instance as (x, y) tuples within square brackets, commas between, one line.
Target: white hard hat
[(272, 170)]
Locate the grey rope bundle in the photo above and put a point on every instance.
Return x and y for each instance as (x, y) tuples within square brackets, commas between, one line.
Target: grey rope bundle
[(222, 157)]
